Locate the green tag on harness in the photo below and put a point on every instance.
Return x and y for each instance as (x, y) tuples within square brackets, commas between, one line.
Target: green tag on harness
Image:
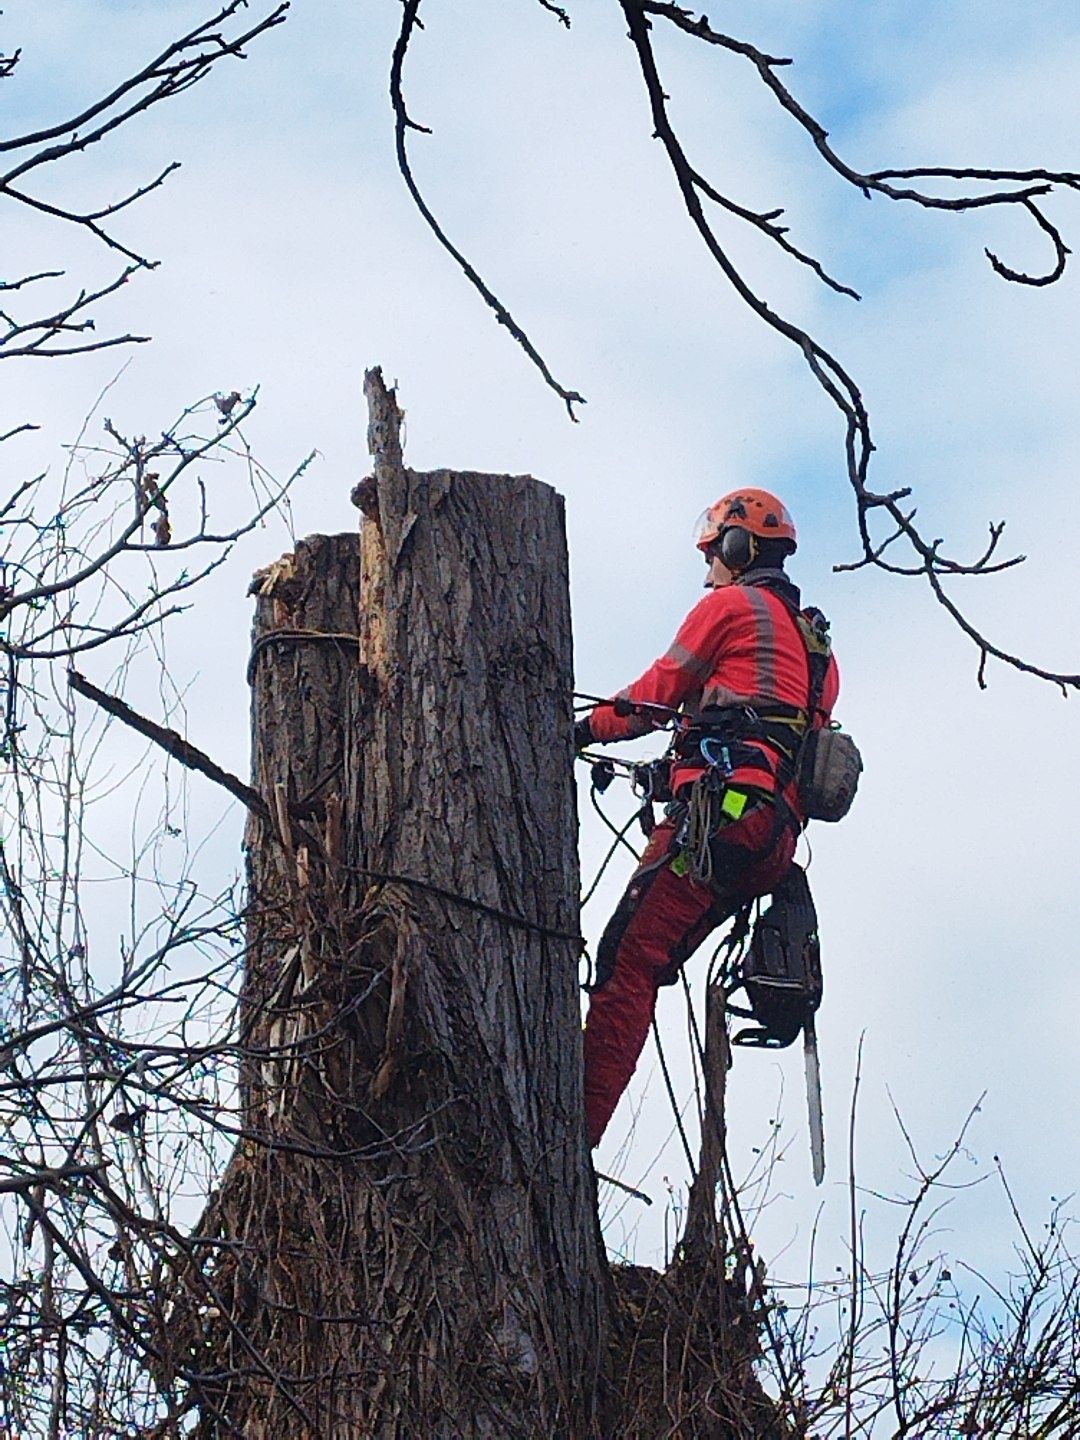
[(734, 803), (681, 864)]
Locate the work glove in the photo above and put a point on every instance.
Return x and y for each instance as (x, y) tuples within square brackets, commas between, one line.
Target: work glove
[(583, 735)]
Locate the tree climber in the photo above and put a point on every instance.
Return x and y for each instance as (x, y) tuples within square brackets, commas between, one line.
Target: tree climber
[(739, 672)]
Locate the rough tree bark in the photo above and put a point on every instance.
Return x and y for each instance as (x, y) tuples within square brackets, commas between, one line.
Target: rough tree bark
[(421, 1229), (407, 1235), (702, 1235)]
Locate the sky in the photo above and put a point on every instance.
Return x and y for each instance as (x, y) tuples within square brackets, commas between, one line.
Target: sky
[(292, 258)]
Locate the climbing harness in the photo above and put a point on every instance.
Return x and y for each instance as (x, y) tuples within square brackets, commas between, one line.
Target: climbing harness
[(824, 761), (780, 971)]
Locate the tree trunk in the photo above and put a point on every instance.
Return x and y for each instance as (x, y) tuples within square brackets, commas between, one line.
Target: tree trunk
[(701, 1236), (405, 1242), (420, 1254)]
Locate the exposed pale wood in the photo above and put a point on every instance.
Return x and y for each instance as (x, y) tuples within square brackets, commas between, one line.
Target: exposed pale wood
[(384, 425)]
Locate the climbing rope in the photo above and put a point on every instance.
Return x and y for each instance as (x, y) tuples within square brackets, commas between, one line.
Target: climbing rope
[(620, 840), (509, 917), (297, 637)]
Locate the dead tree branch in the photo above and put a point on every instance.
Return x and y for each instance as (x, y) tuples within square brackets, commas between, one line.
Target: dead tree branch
[(182, 64), (171, 742), (402, 125), (972, 189)]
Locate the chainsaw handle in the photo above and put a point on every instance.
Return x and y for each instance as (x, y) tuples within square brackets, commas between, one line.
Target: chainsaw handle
[(757, 1038)]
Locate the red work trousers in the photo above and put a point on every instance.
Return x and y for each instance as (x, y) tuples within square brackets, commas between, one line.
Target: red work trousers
[(660, 921)]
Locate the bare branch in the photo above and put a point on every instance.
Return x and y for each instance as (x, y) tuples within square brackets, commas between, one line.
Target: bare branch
[(557, 11), (181, 65), (190, 55), (1061, 251), (403, 125), (30, 279), (1015, 188), (46, 1179), (171, 742)]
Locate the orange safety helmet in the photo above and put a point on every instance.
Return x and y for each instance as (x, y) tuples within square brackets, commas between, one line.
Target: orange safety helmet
[(758, 511)]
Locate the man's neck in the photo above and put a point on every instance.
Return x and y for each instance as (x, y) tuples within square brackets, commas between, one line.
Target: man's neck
[(776, 580)]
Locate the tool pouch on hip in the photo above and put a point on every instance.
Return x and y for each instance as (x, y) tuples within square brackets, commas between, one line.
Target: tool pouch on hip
[(828, 773)]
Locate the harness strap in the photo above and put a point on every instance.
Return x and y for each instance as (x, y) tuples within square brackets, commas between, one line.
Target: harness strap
[(813, 629)]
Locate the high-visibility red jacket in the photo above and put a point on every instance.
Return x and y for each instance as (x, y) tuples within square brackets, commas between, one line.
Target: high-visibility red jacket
[(740, 646)]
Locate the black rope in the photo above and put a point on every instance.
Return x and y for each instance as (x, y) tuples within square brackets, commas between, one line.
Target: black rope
[(387, 877), (296, 637), (674, 1102), (622, 706), (697, 1050), (620, 839)]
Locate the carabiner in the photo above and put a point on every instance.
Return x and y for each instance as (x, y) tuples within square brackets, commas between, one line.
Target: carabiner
[(721, 762)]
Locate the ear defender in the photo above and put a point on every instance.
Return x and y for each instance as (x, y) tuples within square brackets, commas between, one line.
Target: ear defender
[(738, 547)]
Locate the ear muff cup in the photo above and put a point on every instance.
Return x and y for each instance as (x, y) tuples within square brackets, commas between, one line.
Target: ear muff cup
[(737, 548)]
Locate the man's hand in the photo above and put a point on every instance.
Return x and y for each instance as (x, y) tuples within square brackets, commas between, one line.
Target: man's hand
[(583, 735)]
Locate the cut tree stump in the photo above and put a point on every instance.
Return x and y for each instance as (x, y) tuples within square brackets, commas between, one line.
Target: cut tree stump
[(421, 1255), (405, 1243)]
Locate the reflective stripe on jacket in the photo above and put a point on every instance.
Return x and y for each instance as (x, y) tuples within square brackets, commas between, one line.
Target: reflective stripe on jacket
[(740, 645)]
